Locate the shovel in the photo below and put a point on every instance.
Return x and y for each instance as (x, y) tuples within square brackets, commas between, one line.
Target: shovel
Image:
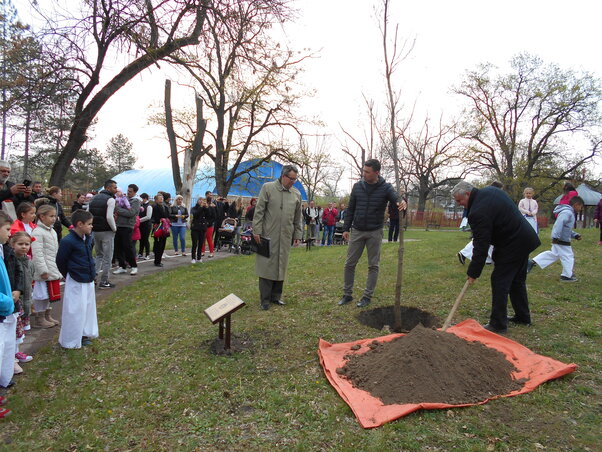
[(455, 306)]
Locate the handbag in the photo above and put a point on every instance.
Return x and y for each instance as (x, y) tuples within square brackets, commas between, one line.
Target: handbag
[(163, 229)]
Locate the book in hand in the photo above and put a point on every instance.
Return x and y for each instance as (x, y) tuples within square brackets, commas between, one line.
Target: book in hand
[(263, 248)]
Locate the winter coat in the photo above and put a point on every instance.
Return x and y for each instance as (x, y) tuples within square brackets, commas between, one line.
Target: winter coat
[(126, 217), (27, 270), (563, 227), (495, 220), (202, 218), (277, 217), (566, 198), (159, 211), (14, 275), (44, 251), (329, 216), (367, 204), (7, 305), (74, 258), (173, 211), (61, 219), (136, 235)]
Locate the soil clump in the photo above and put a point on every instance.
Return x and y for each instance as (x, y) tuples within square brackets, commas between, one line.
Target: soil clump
[(382, 317), (431, 366)]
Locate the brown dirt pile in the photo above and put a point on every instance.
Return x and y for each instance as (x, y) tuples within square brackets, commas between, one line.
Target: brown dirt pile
[(431, 366)]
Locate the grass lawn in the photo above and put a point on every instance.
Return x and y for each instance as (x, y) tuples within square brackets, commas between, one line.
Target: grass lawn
[(151, 383)]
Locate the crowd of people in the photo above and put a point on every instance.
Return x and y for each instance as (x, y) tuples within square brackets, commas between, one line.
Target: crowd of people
[(111, 227)]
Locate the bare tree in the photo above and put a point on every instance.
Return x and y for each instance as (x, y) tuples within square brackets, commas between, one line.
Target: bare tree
[(318, 171), (147, 31), (365, 148), (432, 157), (246, 80), (517, 121), (193, 150)]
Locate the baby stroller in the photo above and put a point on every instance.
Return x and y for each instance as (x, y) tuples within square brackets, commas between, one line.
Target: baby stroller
[(338, 233), (226, 234), (245, 240)]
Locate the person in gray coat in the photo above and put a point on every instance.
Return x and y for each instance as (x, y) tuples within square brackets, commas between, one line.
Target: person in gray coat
[(126, 219), (278, 218)]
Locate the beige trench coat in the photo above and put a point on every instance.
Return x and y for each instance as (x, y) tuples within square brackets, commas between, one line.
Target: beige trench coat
[(277, 217)]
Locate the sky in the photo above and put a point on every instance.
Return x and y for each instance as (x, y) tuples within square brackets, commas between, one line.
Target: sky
[(450, 37)]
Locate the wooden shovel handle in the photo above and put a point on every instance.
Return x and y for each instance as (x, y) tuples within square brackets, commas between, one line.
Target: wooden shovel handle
[(455, 306)]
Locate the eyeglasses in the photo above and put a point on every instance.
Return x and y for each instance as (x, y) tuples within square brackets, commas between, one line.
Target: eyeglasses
[(294, 179)]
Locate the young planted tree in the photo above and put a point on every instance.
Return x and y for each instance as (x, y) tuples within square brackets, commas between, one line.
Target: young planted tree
[(142, 32), (533, 122)]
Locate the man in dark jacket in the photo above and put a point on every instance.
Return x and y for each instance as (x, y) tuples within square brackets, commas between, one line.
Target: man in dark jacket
[(102, 207), (365, 218), (495, 220)]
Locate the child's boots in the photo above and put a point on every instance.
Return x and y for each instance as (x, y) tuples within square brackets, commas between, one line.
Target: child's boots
[(40, 321), (49, 319)]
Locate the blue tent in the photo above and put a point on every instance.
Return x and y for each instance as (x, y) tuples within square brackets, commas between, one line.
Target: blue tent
[(248, 185)]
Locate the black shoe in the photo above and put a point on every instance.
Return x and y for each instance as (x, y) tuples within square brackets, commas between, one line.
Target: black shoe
[(265, 307), (567, 279), (518, 321), (365, 301), (159, 265), (10, 384), (461, 258), (346, 299), (488, 327), (106, 285), (86, 341), (279, 302), (530, 265)]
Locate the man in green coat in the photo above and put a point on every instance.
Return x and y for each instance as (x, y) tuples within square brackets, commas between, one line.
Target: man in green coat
[(277, 217)]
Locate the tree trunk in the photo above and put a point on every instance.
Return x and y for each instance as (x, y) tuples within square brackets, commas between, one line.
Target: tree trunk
[(84, 118), (398, 284), (171, 135), (192, 156)]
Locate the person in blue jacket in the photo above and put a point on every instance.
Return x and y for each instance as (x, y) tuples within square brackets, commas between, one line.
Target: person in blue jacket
[(75, 262), (8, 317)]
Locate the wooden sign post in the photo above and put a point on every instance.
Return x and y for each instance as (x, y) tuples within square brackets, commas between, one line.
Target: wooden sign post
[(221, 312)]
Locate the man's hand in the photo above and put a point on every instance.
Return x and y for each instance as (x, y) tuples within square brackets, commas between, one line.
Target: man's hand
[(346, 236), (296, 242), (471, 281), (578, 237), (27, 191), (18, 188), (401, 205), (257, 238), (16, 295)]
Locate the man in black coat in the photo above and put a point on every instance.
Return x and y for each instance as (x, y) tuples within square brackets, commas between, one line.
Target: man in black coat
[(495, 220), (365, 218)]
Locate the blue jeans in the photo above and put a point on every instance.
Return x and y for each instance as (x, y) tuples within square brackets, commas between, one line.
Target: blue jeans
[(179, 231), (328, 232)]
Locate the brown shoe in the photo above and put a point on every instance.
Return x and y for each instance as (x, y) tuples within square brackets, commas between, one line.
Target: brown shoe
[(49, 318), (41, 322)]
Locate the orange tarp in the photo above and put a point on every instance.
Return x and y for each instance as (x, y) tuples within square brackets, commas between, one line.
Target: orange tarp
[(371, 412)]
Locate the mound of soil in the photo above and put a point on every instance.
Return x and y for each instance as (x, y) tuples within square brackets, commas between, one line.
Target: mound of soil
[(431, 366), (379, 318)]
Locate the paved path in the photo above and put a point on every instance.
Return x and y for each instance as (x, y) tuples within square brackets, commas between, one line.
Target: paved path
[(38, 338)]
